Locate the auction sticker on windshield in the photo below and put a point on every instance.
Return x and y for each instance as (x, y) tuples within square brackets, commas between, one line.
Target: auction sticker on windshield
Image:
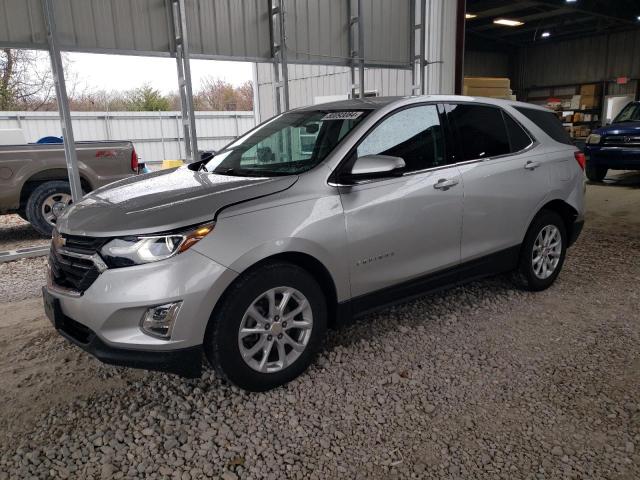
[(342, 116)]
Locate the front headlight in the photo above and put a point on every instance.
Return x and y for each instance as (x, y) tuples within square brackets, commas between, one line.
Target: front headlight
[(127, 251), (594, 139)]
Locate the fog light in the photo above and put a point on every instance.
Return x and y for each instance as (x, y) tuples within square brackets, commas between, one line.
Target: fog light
[(158, 321)]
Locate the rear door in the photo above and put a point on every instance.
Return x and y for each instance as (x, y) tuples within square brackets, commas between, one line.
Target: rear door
[(504, 175), (403, 227)]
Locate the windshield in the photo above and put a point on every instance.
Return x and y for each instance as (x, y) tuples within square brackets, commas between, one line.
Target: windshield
[(630, 113), (289, 144)]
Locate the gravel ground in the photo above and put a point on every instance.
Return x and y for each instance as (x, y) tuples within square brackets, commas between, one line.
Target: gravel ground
[(483, 381), (22, 279), (16, 233)]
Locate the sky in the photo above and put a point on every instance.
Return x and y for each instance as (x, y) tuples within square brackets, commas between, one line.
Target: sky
[(120, 72)]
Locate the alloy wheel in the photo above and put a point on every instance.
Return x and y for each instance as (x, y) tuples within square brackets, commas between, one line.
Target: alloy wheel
[(275, 329), (547, 250)]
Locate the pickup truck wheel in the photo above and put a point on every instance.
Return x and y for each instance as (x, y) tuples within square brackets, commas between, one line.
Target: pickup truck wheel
[(543, 252), (596, 174), (46, 203), (267, 328)]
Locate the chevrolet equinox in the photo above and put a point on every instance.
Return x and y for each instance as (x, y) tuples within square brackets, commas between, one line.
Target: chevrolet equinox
[(316, 216)]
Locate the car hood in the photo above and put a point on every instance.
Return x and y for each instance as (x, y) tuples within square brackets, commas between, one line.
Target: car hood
[(627, 128), (162, 201)]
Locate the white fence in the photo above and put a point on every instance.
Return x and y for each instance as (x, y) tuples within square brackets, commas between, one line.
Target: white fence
[(156, 135)]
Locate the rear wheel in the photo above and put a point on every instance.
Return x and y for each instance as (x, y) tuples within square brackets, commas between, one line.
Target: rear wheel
[(268, 327), (543, 252), (594, 173), (46, 203)]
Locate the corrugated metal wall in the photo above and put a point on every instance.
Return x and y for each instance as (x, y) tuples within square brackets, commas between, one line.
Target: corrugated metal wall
[(583, 60), (440, 46), (486, 64), (317, 30), (308, 82), (156, 135)]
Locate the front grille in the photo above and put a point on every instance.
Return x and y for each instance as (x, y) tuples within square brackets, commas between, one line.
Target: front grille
[(86, 245), (624, 141), (71, 272)]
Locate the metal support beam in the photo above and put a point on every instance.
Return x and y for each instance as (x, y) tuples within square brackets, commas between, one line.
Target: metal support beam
[(279, 54), (361, 46), (57, 71), (418, 62), (184, 81), (356, 47)]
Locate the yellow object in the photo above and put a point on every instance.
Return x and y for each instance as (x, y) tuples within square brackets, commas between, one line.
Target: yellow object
[(171, 164)]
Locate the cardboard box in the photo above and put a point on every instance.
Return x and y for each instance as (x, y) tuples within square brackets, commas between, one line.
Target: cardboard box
[(589, 101), (590, 90), (575, 102), (487, 92), (487, 82)]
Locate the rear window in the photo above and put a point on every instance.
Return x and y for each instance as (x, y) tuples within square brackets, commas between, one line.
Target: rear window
[(481, 131), (518, 138), (548, 123)]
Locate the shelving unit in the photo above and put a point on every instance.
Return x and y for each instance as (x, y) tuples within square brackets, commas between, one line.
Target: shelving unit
[(578, 121)]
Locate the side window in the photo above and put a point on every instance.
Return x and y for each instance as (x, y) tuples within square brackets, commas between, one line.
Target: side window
[(518, 138), (548, 123), (414, 134), (481, 131)]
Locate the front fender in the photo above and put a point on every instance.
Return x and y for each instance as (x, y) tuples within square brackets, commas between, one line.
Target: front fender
[(313, 227)]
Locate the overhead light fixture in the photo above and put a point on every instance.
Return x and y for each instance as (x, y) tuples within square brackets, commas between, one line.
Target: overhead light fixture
[(571, 1), (470, 15), (545, 34), (507, 22)]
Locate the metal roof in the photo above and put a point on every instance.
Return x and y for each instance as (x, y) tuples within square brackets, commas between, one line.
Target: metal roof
[(561, 19), (317, 30)]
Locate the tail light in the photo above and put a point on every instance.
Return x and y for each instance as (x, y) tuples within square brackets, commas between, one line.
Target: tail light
[(134, 160), (581, 159)]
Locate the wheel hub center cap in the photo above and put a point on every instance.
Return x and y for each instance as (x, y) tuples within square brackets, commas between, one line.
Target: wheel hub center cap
[(58, 208), (276, 328)]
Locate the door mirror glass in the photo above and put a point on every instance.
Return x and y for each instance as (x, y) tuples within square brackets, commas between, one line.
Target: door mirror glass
[(376, 166)]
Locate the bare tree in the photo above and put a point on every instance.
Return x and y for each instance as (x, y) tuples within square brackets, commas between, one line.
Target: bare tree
[(26, 82)]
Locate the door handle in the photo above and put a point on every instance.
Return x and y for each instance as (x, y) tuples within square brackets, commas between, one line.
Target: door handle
[(445, 183), (531, 165)]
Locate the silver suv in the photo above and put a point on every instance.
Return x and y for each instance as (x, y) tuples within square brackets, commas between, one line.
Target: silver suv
[(316, 216)]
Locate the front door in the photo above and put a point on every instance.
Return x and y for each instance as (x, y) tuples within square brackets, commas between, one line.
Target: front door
[(402, 228)]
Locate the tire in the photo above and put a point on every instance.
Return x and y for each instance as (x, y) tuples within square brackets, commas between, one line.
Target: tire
[(536, 276), (223, 345), (38, 210), (596, 174)]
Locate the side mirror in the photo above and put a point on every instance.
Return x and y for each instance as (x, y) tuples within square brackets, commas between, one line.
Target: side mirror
[(376, 166)]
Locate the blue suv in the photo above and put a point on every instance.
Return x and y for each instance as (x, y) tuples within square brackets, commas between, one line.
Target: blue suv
[(616, 146)]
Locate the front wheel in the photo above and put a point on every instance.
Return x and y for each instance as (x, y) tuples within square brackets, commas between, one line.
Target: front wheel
[(543, 252), (268, 327)]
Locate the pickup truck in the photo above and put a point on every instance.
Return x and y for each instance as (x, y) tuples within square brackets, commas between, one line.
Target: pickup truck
[(34, 182), (616, 146)]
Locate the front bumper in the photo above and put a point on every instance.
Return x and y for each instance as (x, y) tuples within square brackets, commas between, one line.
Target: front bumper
[(615, 158), (105, 320), (186, 362)]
